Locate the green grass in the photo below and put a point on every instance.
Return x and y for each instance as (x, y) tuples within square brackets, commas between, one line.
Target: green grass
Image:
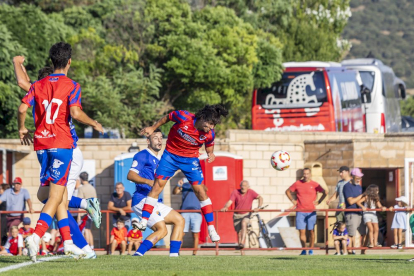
[(222, 265)]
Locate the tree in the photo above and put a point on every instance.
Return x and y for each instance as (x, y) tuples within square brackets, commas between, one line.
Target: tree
[(207, 56), (308, 29)]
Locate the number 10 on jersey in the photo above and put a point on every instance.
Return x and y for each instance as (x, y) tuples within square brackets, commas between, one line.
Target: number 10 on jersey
[(48, 108)]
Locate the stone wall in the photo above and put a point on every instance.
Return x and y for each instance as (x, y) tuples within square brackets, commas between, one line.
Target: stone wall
[(256, 147)]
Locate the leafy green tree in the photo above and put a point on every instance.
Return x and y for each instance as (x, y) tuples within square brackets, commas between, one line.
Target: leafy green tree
[(207, 56), (308, 29)]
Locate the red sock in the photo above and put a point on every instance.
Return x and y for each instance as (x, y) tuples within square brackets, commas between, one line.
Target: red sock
[(41, 228), (65, 233)]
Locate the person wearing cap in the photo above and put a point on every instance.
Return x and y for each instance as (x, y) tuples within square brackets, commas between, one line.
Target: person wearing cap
[(399, 222), (345, 178), (190, 202), (353, 219), (16, 199), (26, 230)]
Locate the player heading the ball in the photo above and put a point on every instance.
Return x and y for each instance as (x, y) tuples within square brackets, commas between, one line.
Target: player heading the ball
[(186, 136)]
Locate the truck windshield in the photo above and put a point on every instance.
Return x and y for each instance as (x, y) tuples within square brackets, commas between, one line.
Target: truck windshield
[(294, 90)]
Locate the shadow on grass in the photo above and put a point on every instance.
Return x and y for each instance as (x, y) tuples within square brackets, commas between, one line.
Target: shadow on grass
[(285, 258), (9, 260)]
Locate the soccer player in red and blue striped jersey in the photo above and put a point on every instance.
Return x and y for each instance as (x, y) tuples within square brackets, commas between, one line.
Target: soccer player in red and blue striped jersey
[(91, 205), (186, 137), (55, 100)]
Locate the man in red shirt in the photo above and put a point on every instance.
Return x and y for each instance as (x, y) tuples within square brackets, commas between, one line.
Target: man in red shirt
[(243, 200), (306, 199)]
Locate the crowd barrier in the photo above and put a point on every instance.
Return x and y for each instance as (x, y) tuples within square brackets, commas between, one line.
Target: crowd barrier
[(107, 215)]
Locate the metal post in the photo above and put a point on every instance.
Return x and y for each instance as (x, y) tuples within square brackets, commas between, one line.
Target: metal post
[(217, 243), (326, 232), (107, 228)]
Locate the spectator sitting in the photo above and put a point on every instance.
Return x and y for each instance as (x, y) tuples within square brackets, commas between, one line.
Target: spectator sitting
[(46, 248), (120, 202), (340, 237), (16, 199), (243, 200), (134, 238), (14, 244), (87, 191), (119, 237), (345, 178), (306, 194), (353, 220), (399, 222), (371, 200), (26, 230), (190, 202), (54, 231)]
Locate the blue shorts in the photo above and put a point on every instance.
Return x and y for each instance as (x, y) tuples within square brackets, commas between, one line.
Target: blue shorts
[(305, 220), (192, 221), (55, 166), (170, 163)]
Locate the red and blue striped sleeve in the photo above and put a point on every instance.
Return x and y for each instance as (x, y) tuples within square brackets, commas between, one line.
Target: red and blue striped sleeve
[(179, 116), (75, 96), (29, 99), (210, 140)]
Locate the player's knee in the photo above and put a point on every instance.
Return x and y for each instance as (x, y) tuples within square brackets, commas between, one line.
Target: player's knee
[(162, 232), (180, 221), (200, 192)]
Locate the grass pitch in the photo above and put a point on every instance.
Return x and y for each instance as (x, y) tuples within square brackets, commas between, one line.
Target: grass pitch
[(221, 265)]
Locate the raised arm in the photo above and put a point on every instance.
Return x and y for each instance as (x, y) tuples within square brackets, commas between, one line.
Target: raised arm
[(23, 80), (147, 131)]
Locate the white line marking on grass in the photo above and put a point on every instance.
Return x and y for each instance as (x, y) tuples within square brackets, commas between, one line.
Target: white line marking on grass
[(17, 266)]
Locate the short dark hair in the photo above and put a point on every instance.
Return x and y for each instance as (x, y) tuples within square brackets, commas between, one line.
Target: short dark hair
[(120, 220), (84, 176), (307, 169), (155, 131), (60, 53), (212, 113), (44, 72)]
